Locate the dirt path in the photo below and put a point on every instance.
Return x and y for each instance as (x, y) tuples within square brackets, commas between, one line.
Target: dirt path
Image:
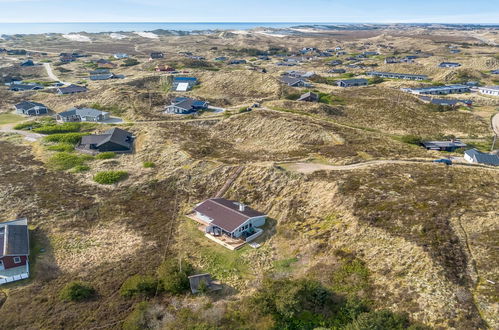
[(28, 135), (52, 75), (307, 168), (495, 123)]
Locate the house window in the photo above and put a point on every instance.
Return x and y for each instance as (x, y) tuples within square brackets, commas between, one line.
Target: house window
[(17, 260)]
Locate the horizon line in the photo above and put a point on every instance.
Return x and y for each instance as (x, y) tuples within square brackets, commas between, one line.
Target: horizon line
[(245, 22)]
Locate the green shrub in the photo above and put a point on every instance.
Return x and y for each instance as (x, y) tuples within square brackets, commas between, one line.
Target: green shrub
[(411, 139), (137, 319), (76, 291), (292, 97), (72, 138), (54, 128), (148, 164), (80, 168), (380, 320), (106, 155), (173, 279), (61, 147), (130, 62), (110, 177), (65, 161), (139, 285)]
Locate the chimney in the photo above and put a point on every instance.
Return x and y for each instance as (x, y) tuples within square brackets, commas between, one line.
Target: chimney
[(241, 207)]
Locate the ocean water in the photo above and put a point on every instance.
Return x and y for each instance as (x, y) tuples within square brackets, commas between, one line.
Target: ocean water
[(36, 28)]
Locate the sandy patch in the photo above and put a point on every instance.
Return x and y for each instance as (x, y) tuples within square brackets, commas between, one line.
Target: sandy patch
[(271, 34), (117, 36), (77, 37), (148, 35)]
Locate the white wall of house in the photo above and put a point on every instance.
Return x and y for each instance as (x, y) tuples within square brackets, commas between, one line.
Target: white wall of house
[(468, 158), (251, 222)]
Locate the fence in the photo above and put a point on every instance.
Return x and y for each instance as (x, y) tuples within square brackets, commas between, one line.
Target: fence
[(255, 235), (14, 278)]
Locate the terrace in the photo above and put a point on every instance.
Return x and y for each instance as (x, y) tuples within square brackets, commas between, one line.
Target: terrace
[(14, 274)]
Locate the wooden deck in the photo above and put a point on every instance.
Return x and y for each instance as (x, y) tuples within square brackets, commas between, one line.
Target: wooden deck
[(224, 240)]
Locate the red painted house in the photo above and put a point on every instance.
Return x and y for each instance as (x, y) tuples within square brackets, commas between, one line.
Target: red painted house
[(14, 250)]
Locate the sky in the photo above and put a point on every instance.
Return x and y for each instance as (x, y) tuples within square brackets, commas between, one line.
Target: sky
[(329, 11)]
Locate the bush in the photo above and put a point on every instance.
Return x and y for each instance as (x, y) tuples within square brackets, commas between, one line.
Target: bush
[(76, 291), (72, 138), (380, 320), (292, 97), (65, 161), (139, 285), (171, 278), (63, 128), (110, 177), (80, 168), (411, 139), (130, 62), (106, 155), (148, 164), (61, 147), (137, 320)]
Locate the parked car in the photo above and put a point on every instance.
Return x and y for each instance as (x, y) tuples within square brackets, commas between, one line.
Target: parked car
[(443, 161)]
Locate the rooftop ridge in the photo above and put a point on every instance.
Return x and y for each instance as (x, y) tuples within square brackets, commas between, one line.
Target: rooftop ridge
[(236, 211)]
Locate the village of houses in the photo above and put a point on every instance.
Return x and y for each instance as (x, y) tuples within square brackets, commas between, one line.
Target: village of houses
[(230, 223)]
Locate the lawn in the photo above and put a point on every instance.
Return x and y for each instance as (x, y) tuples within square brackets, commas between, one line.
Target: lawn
[(9, 118)]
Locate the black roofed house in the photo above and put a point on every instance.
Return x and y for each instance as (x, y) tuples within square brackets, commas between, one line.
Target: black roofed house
[(14, 250), (397, 75), (489, 90), (335, 62), (438, 90), (82, 114), (31, 108), (309, 97), (293, 82), (446, 102), (99, 71), (27, 63), (106, 76), (443, 145), (352, 82), (337, 71), (185, 105), (183, 84), (9, 80), (300, 74), (225, 218), (71, 89), (449, 65), (16, 52), (477, 157), (237, 62), (25, 87), (115, 139), (156, 56)]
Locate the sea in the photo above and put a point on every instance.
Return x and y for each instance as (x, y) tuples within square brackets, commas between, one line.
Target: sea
[(37, 28)]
